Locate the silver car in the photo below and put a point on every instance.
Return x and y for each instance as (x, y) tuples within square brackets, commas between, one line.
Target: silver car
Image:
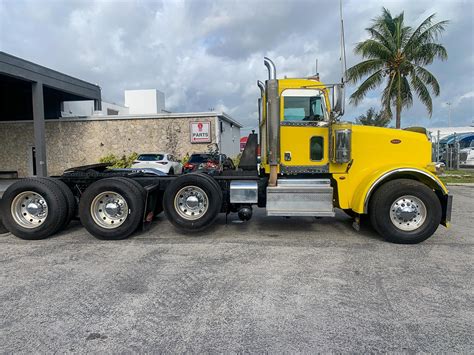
[(164, 162)]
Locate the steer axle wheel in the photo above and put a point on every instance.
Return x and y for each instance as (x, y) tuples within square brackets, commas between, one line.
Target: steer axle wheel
[(34, 208), (192, 202), (405, 211), (112, 208)]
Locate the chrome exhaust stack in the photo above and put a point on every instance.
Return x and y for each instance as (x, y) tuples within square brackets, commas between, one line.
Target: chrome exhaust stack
[(271, 68), (273, 117), (260, 102), (260, 111)]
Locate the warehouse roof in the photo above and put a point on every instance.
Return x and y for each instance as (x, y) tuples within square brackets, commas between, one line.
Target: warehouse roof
[(26, 70)]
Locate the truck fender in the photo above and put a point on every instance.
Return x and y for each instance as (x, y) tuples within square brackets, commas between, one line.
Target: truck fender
[(364, 191)]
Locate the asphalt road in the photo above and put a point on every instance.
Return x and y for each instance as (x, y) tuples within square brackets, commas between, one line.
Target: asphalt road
[(297, 285)]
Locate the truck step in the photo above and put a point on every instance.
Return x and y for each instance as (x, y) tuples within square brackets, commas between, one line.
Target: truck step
[(301, 197)]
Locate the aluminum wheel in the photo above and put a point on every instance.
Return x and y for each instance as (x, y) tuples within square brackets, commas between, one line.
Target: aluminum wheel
[(29, 209), (109, 210), (408, 213), (191, 202)]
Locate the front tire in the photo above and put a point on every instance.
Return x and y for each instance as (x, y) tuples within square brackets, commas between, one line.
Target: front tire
[(112, 208), (192, 202), (405, 211)]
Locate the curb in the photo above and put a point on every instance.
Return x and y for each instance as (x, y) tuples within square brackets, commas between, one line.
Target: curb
[(467, 184)]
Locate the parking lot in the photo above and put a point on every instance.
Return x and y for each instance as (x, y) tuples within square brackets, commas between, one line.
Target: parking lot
[(271, 284)]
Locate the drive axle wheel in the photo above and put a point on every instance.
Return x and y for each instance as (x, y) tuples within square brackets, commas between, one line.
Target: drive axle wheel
[(112, 208), (192, 202), (405, 211), (34, 209)]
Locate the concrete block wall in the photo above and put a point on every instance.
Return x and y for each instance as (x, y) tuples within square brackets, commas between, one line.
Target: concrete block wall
[(75, 142)]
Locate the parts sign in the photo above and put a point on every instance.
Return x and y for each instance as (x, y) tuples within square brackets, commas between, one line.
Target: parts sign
[(200, 132)]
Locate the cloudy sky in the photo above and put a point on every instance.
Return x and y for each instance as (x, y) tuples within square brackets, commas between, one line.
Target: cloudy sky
[(208, 53)]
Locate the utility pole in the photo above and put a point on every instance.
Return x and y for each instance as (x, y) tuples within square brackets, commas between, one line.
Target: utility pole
[(449, 113)]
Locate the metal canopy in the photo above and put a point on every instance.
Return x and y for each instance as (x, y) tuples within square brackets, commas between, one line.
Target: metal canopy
[(44, 78)]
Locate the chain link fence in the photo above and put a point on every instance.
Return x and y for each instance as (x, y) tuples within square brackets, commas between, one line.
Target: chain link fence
[(450, 153)]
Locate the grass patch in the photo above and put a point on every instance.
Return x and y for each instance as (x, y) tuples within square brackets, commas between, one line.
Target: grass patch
[(457, 176)]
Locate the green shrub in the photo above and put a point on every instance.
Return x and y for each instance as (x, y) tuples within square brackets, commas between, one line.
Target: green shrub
[(236, 159), (123, 162), (185, 159)]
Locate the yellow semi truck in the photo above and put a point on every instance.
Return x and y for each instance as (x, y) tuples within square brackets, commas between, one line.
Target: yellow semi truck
[(311, 164)]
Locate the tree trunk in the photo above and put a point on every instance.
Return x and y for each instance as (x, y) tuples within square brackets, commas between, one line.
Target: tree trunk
[(399, 102)]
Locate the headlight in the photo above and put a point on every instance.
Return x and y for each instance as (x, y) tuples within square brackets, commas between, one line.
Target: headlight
[(342, 152)]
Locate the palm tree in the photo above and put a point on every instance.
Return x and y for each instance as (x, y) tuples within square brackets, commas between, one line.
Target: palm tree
[(396, 56), (372, 118)]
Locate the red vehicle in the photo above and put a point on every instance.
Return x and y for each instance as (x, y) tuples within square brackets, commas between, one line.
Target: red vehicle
[(208, 163)]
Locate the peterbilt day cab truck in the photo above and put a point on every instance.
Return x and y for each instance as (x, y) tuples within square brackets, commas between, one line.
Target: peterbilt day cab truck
[(311, 164)]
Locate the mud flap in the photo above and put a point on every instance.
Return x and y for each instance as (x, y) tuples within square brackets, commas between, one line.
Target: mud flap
[(150, 205), (447, 206)]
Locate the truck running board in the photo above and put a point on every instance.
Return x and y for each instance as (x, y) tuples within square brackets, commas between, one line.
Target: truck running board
[(301, 197)]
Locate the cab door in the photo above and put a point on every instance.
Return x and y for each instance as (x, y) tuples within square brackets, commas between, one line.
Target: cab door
[(303, 131)]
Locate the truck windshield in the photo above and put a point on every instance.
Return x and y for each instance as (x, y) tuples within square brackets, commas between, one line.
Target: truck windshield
[(150, 157), (303, 108)]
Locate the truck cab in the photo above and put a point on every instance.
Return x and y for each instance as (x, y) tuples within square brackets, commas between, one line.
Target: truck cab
[(315, 162)]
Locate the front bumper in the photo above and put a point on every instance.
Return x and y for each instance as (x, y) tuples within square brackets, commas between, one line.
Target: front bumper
[(447, 206)]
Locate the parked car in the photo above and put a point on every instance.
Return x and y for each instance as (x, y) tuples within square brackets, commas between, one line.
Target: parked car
[(164, 162), (208, 163)]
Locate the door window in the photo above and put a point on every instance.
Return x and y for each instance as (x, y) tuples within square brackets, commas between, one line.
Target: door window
[(303, 108)]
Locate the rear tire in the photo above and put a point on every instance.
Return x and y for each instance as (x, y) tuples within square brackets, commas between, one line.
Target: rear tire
[(171, 171), (213, 182), (405, 211), (33, 209), (112, 208), (192, 202), (70, 200)]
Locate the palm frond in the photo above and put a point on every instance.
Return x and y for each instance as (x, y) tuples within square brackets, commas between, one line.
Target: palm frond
[(388, 95), (429, 34), (384, 40), (428, 79), (406, 95), (422, 93), (426, 53), (373, 49), (421, 28), (364, 68), (370, 83)]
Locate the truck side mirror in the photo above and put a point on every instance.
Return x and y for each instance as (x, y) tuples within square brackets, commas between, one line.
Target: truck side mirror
[(338, 100)]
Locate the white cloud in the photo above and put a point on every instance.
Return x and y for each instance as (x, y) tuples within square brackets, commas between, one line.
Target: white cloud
[(209, 53)]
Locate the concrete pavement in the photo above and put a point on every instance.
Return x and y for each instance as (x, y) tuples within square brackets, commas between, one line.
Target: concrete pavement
[(272, 284)]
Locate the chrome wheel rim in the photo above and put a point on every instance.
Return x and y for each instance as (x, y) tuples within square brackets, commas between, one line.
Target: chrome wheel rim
[(109, 210), (29, 209), (191, 203), (408, 213)]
